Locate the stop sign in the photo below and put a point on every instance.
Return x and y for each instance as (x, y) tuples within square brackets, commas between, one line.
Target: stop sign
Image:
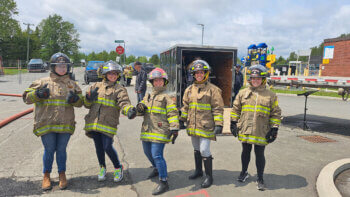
[(119, 50)]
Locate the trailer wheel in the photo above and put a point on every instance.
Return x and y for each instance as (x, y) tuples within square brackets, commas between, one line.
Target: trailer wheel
[(345, 95)]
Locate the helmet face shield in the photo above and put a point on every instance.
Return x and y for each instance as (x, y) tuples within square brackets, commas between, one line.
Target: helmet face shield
[(198, 65), (111, 66), (60, 60)]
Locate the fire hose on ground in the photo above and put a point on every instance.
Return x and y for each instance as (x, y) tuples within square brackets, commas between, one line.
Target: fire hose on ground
[(16, 116)]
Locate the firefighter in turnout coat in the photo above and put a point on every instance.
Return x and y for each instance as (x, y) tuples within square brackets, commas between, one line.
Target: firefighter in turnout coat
[(202, 111), (255, 118), (160, 126), (106, 100), (54, 98)]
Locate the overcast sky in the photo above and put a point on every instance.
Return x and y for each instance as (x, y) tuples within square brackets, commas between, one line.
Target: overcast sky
[(150, 27)]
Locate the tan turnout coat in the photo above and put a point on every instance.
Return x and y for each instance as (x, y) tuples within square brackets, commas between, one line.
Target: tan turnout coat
[(256, 110), (53, 114), (203, 109)]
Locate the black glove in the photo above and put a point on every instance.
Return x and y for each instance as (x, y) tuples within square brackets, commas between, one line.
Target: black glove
[(218, 129), (43, 92), (233, 128), (92, 95), (140, 107), (173, 133), (72, 97), (132, 113), (271, 135), (182, 124)]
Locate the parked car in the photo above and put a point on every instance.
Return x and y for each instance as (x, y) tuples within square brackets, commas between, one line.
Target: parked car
[(36, 65), (91, 74)]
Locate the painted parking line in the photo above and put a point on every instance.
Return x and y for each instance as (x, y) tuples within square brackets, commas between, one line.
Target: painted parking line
[(202, 192)]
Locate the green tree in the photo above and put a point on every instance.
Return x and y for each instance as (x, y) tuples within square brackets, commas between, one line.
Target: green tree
[(130, 59), (154, 59), (292, 56), (317, 51), (281, 61), (142, 59), (91, 57), (57, 35), (9, 26)]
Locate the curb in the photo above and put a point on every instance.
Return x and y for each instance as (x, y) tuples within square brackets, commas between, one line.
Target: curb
[(325, 181)]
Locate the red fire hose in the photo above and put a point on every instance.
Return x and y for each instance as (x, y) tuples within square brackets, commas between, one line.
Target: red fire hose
[(5, 94), (16, 116)]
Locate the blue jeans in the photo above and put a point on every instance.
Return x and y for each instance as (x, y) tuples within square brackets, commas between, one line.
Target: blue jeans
[(104, 144), (55, 142), (154, 152), (140, 96)]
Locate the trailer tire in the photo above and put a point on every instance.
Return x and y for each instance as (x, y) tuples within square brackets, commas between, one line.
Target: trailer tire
[(345, 95)]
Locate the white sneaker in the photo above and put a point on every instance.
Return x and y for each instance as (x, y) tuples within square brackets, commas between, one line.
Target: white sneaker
[(102, 174), (118, 174)]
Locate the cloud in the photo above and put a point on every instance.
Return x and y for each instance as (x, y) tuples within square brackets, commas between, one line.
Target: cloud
[(149, 27)]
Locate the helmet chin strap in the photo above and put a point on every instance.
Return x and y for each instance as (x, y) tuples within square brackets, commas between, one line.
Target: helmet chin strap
[(206, 77)]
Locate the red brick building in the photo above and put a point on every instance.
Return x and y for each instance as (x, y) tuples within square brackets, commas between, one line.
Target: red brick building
[(339, 65)]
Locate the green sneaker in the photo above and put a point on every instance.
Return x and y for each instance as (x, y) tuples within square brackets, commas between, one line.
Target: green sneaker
[(102, 174), (118, 174)]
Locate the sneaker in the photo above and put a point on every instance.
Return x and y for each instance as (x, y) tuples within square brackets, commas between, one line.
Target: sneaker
[(260, 184), (118, 174), (102, 174), (243, 177)]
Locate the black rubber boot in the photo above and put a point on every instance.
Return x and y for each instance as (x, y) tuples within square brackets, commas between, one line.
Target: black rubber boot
[(161, 188), (198, 165), (208, 165), (154, 173)]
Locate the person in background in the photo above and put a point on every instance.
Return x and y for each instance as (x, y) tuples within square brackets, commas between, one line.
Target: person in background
[(141, 81), (238, 81)]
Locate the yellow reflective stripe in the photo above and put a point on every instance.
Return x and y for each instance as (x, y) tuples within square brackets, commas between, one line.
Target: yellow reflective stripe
[(53, 102), (33, 97), (126, 109), (199, 132), (100, 127), (200, 106), (218, 118), (57, 128), (142, 102), (170, 108), (259, 108), (157, 110), (251, 138), (275, 121), (87, 102), (29, 89), (173, 119), (234, 115), (155, 136), (106, 102), (184, 114), (275, 104)]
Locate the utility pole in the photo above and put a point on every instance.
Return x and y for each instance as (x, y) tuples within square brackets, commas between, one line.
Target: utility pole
[(28, 24), (202, 31)]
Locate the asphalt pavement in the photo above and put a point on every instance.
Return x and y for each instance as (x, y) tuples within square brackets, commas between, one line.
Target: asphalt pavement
[(292, 163)]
